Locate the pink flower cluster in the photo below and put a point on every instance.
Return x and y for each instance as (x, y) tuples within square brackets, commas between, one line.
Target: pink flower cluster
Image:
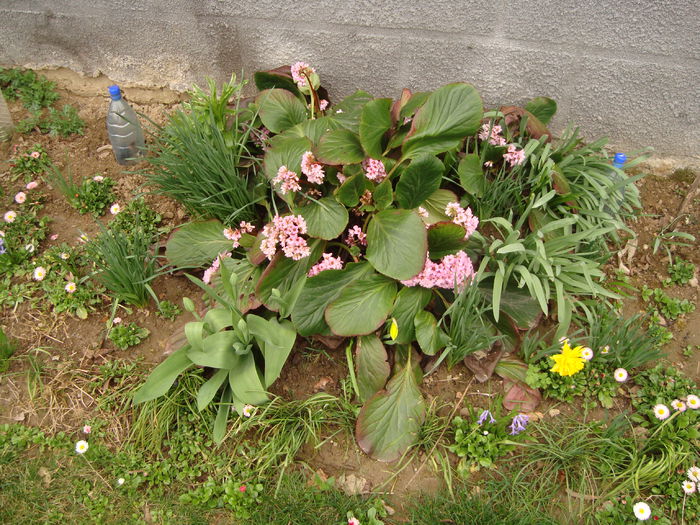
[(286, 231), (462, 217), (452, 271), (312, 169), (356, 236), (374, 170), (322, 104), (492, 133), (287, 180), (236, 234), (298, 70), (209, 272), (328, 263), (514, 155)]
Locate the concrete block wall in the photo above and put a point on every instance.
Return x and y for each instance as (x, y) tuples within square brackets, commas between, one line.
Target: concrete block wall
[(627, 69)]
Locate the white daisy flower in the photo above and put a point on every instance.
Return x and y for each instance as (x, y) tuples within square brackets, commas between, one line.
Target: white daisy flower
[(64, 256), (661, 411), (70, 287), (693, 401), (39, 273), (621, 375), (679, 405), (694, 473), (605, 350), (81, 446), (642, 511), (29, 247), (115, 208), (120, 481), (248, 410), (587, 354), (10, 216), (98, 178), (689, 487)]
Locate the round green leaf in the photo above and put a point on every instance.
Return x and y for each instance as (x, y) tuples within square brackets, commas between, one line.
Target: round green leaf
[(445, 238), (451, 113), (409, 302), (280, 109), (471, 176), (196, 244), (287, 150), (397, 243), (325, 218), (420, 180), (362, 306), (374, 123), (436, 204), (339, 146), (372, 366)]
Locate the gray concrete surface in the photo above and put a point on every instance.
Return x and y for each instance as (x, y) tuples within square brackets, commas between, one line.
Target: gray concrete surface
[(627, 69)]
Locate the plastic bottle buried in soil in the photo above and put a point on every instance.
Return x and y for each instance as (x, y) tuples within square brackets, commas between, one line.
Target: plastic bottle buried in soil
[(123, 128), (5, 120)]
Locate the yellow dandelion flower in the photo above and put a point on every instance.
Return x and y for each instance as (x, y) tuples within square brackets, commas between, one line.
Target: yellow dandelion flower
[(569, 362)]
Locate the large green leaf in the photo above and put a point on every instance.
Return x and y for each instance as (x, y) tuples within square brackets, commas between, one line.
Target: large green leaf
[(313, 129), (372, 366), (471, 176), (217, 351), (445, 238), (429, 335), (339, 146), (543, 108), (196, 244), (362, 306), (245, 381), (285, 275), (397, 243), (435, 205), (450, 114), (351, 190), (409, 302), (280, 109), (280, 77), (287, 150), (163, 376), (420, 180), (348, 111), (275, 340), (389, 423), (319, 291), (515, 302), (325, 218), (374, 123), (209, 389)]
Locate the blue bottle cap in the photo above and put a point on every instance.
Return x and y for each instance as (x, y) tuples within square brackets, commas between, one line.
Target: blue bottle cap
[(619, 160), (115, 92)]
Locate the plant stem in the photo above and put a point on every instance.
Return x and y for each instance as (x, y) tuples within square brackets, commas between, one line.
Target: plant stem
[(351, 369)]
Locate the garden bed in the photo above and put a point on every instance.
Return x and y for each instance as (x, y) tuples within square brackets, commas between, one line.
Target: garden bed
[(65, 372)]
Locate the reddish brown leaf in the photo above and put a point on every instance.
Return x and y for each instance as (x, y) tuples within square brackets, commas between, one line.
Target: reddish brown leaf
[(521, 397), (514, 114)]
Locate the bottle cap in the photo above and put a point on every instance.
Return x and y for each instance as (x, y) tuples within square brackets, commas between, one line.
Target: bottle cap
[(619, 160), (115, 92)]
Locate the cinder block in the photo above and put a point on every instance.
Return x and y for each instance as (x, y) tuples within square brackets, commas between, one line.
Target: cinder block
[(662, 27)]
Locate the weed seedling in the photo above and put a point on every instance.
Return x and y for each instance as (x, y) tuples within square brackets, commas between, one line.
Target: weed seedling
[(680, 272), (125, 335)]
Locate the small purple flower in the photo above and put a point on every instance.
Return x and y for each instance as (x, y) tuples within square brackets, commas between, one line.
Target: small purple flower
[(519, 424), (484, 415)]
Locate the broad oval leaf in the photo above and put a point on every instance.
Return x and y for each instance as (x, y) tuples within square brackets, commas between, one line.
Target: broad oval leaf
[(351, 190), (429, 335), (339, 146), (471, 176), (436, 204), (389, 423), (409, 301), (163, 376), (319, 291), (280, 77), (397, 243), (287, 150), (375, 121), (348, 111), (445, 238), (372, 366), (196, 244), (543, 108), (245, 381), (217, 351), (451, 113), (362, 306), (280, 109), (325, 218), (313, 129), (419, 181), (383, 195)]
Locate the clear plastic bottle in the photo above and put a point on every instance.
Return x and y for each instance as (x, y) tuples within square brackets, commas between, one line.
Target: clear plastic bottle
[(5, 120), (124, 130), (619, 163)]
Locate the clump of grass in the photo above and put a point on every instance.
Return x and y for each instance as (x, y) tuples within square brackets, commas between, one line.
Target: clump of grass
[(206, 168), (63, 123), (7, 348), (126, 264)]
